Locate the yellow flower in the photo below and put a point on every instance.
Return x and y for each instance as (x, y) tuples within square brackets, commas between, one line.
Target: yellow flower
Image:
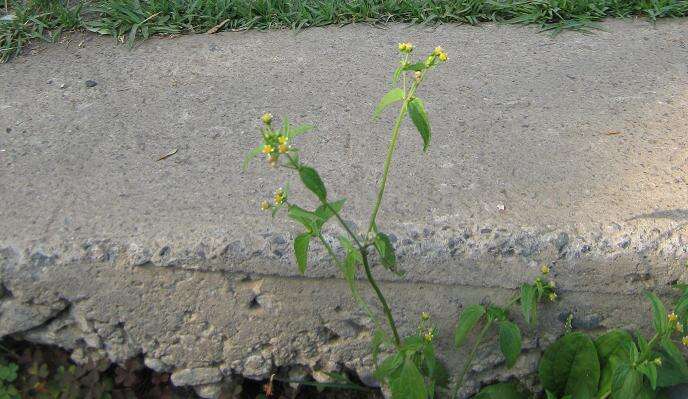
[(405, 47), (544, 269), (442, 57), (279, 196), (552, 296), (417, 75), (672, 317), (266, 118), (283, 148), (264, 205), (282, 139), (428, 336), (684, 340), (438, 51), (267, 149), (425, 316), (658, 362), (679, 327)]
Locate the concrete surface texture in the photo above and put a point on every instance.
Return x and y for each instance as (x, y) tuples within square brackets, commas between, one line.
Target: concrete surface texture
[(571, 151)]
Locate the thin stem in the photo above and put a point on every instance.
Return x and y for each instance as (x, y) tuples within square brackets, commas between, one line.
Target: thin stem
[(470, 359), (390, 153), (381, 298)]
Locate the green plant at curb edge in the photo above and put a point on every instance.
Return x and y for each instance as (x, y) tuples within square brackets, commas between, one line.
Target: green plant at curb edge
[(412, 370)]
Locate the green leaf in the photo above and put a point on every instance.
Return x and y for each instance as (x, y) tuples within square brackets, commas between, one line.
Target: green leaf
[(659, 313), (570, 367), (392, 96), (420, 119), (298, 130), (251, 154), (409, 384), (467, 320), (301, 243), (435, 369), (388, 366), (412, 344), (627, 383), (529, 303), (509, 341), (312, 181), (496, 313), (502, 390), (649, 369), (376, 342), (612, 343), (674, 370), (308, 219), (418, 66), (325, 213), (386, 250)]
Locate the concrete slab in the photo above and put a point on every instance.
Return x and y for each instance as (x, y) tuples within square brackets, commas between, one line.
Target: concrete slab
[(570, 150)]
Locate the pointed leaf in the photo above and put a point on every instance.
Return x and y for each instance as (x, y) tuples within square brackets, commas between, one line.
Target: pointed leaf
[(467, 320), (251, 154), (386, 250), (529, 303), (509, 341), (301, 243), (420, 119), (298, 130), (570, 367), (392, 96), (659, 313), (312, 181), (409, 384)]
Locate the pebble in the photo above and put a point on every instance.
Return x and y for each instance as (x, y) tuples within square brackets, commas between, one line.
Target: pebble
[(91, 83)]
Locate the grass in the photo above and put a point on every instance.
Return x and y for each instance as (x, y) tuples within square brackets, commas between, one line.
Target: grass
[(129, 20)]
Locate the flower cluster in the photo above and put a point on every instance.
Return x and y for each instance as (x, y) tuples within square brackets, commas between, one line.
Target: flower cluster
[(546, 288), (405, 48), (274, 142)]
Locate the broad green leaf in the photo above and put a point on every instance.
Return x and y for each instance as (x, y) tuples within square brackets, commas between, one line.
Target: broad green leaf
[(251, 154), (435, 369), (502, 390), (674, 370), (301, 243), (409, 384), (376, 342), (312, 181), (298, 130), (649, 369), (570, 367), (627, 383), (659, 313), (529, 303), (417, 113), (325, 213), (388, 366), (509, 341), (386, 250), (397, 74), (681, 308), (413, 343), (392, 96), (467, 320), (612, 343), (308, 219)]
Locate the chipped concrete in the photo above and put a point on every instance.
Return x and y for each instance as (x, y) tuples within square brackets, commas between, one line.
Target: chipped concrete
[(569, 150)]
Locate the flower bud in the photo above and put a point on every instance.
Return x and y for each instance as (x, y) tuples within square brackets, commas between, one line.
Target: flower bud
[(266, 118)]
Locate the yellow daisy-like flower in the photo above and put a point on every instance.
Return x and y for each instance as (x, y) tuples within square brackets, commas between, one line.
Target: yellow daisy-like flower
[(282, 139), (405, 47), (684, 340), (425, 316), (428, 336), (672, 317), (266, 118), (442, 57), (658, 361), (544, 269), (267, 149), (279, 196), (679, 327), (552, 296), (264, 205), (438, 51), (283, 148)]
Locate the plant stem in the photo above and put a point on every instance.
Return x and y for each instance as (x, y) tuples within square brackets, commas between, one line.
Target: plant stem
[(381, 298), (390, 153), (471, 357)]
